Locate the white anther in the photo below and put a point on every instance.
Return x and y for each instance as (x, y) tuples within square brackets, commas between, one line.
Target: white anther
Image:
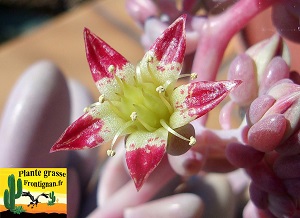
[(86, 109), (110, 153), (101, 99), (160, 89), (149, 58), (133, 116), (111, 68), (194, 76), (192, 141)]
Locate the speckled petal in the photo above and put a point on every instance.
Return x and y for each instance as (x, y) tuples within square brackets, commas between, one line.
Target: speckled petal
[(105, 63), (144, 151), (95, 127), (164, 59), (196, 99)]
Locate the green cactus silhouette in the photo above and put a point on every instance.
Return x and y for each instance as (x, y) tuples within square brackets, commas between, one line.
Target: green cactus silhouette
[(53, 198), (9, 195)]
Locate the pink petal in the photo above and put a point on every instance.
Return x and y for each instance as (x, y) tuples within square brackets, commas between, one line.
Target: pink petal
[(144, 151), (82, 133), (166, 55), (100, 57), (170, 46), (196, 99), (95, 127)]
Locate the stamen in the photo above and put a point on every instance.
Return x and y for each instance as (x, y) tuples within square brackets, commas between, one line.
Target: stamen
[(150, 59), (87, 109), (101, 99), (119, 81), (160, 89), (111, 68), (166, 103), (138, 74), (110, 152), (167, 83), (192, 76), (133, 116), (191, 141)]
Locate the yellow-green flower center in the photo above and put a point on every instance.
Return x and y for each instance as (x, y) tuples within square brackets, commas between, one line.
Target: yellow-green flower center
[(142, 102), (142, 105)]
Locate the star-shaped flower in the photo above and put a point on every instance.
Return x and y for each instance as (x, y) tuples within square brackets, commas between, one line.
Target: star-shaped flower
[(141, 102)]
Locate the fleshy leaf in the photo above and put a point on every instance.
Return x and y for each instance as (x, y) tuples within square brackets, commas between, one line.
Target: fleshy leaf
[(193, 100), (144, 151), (104, 63), (164, 59), (95, 127)]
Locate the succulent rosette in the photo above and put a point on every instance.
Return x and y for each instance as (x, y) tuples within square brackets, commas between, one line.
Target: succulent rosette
[(270, 150), (142, 102)]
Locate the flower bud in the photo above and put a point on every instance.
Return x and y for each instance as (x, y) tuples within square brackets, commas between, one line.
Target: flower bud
[(283, 88), (266, 134), (243, 68), (276, 70), (141, 10), (287, 103), (264, 51), (258, 108)]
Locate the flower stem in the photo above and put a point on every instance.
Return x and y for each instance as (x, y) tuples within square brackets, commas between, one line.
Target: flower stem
[(217, 31)]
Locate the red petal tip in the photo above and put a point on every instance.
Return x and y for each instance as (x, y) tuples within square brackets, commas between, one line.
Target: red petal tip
[(100, 56), (81, 134), (142, 161), (170, 46)]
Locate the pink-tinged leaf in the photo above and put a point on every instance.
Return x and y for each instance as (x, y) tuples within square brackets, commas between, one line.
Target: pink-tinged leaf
[(164, 59), (264, 177), (193, 100), (95, 127), (106, 63), (258, 108), (270, 127), (144, 151)]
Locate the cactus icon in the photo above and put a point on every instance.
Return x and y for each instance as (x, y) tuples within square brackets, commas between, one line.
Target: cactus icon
[(53, 198), (10, 196)]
